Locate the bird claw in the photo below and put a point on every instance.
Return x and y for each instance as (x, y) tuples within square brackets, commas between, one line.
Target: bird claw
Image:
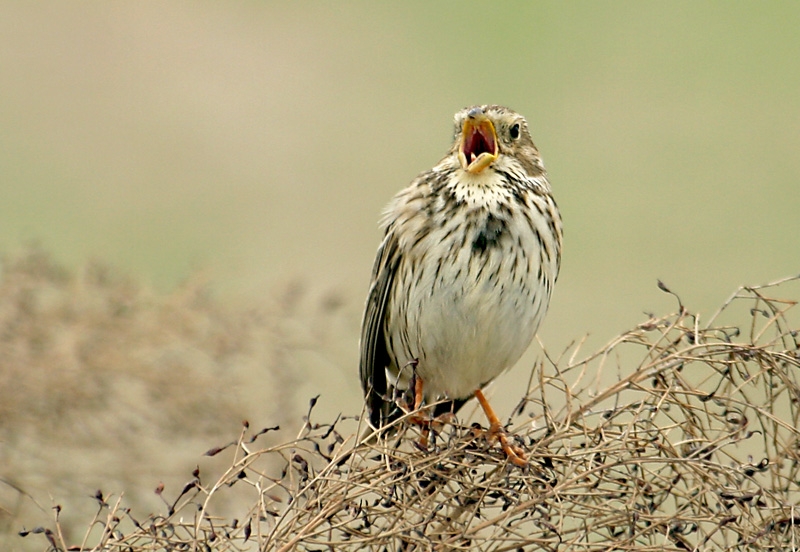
[(429, 424), (514, 453)]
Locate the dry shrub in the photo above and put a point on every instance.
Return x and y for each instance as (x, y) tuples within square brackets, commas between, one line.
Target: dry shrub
[(693, 447), (105, 383)]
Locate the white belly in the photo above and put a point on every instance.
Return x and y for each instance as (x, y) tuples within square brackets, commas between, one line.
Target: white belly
[(467, 322), (467, 340)]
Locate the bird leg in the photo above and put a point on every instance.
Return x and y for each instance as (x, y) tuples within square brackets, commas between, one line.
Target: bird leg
[(417, 391), (420, 420), (425, 422), (514, 453)]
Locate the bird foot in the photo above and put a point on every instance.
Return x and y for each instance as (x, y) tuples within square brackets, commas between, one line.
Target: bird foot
[(425, 422), (422, 417), (514, 453), (429, 424)]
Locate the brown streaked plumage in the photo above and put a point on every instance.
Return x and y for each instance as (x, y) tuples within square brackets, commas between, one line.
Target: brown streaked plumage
[(464, 273)]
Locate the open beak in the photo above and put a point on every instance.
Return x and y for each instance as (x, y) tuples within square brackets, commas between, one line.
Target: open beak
[(478, 147)]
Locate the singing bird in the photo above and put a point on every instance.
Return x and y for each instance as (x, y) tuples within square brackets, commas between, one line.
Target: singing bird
[(464, 273)]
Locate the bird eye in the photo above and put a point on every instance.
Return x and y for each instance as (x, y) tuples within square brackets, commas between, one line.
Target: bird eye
[(514, 131)]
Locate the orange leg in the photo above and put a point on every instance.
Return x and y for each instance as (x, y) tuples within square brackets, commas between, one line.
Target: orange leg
[(425, 422), (418, 396), (417, 392), (514, 453)]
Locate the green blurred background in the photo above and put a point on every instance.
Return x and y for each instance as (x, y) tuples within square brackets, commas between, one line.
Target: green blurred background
[(260, 141)]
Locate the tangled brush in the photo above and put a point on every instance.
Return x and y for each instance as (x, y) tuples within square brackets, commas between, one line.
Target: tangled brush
[(693, 446)]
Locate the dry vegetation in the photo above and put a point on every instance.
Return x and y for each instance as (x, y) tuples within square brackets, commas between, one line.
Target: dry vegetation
[(107, 384), (694, 446)]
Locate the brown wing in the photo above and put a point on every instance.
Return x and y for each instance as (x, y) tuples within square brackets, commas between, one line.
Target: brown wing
[(374, 356)]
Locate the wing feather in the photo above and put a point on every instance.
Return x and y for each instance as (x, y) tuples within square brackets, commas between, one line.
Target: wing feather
[(374, 356)]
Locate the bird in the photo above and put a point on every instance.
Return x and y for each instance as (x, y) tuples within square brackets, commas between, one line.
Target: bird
[(463, 276)]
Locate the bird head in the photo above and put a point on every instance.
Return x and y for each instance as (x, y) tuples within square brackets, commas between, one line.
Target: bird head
[(485, 134)]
